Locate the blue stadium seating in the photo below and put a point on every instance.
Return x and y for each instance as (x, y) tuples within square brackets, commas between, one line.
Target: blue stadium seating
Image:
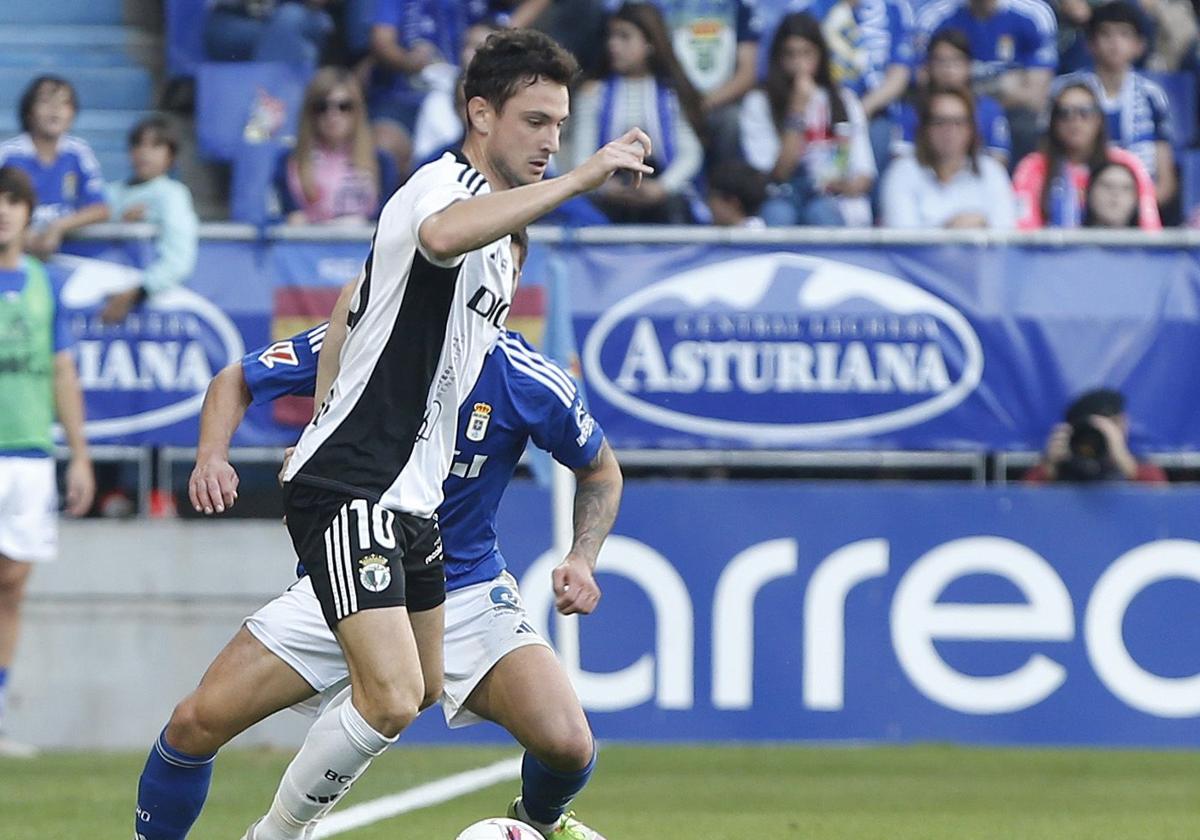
[(63, 11), (228, 96)]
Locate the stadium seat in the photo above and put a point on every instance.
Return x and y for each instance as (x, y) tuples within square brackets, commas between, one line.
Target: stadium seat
[(253, 168), (1181, 93), (185, 37), (58, 11), (123, 88), (245, 102)]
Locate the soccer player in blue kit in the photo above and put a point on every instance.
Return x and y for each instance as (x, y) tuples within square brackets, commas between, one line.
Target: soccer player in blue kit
[(496, 666)]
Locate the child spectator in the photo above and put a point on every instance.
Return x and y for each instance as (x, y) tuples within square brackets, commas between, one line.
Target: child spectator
[(736, 192), (948, 65), (948, 182), (1051, 184), (1112, 198), (645, 86), (291, 31), (1013, 43), (63, 168), (1135, 107), (153, 196), (808, 135), (872, 54), (334, 173)]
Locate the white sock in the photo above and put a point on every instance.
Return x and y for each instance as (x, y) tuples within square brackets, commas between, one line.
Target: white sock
[(338, 749), (524, 817)]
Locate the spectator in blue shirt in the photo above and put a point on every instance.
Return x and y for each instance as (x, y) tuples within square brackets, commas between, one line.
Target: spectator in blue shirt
[(872, 51), (291, 31), (1135, 107), (948, 65), (1014, 46), (64, 170)]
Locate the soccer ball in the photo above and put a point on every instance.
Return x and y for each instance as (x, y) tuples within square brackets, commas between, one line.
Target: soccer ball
[(500, 828)]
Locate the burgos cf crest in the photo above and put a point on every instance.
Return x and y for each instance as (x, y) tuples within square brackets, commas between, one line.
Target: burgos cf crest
[(477, 425), (373, 573)]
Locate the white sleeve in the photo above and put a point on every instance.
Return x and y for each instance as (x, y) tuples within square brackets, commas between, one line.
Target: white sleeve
[(862, 158), (689, 154), (760, 139), (431, 189)]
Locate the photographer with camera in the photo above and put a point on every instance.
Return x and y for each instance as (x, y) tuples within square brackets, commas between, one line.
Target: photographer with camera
[(1093, 445)]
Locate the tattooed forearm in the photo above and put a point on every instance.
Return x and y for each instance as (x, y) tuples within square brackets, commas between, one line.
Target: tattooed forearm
[(597, 497)]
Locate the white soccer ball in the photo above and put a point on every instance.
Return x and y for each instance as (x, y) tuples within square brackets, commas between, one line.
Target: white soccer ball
[(499, 828)]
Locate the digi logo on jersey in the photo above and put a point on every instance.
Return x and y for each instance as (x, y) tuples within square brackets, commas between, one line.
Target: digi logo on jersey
[(150, 370), (781, 349)]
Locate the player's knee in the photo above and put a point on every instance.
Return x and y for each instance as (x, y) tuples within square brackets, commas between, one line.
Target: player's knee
[(390, 711), (570, 747), (195, 728)]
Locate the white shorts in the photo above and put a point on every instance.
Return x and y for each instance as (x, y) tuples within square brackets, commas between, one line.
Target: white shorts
[(28, 509), (484, 622)]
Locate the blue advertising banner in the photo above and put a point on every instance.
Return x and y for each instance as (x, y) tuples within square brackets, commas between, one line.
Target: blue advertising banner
[(715, 346), (772, 610), (905, 347)]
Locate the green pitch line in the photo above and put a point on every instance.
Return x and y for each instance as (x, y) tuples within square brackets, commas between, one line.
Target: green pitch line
[(661, 793)]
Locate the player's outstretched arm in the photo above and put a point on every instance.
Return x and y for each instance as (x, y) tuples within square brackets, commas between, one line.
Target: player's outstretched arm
[(470, 224), (213, 485), (597, 497)]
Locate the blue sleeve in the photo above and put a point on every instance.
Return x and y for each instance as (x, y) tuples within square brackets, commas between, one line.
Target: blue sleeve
[(1037, 40), (1160, 109), (64, 339), (287, 201), (91, 180), (569, 433), (996, 134), (285, 368), (749, 23), (900, 25), (387, 12)]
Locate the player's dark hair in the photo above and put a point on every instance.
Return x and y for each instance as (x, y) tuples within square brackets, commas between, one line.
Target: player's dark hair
[(34, 90), (15, 182), (159, 131), (513, 58), (1116, 11)]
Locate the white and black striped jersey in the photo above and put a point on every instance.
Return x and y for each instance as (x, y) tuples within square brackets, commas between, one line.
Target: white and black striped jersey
[(418, 334)]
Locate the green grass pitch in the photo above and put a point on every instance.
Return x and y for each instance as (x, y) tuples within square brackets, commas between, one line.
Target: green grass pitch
[(667, 792)]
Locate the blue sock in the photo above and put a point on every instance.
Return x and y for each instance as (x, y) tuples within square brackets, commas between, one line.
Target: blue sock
[(546, 793), (171, 792), (3, 693)]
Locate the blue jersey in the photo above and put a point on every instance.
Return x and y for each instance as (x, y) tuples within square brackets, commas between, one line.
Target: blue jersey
[(1021, 34), (864, 38), (1139, 116), (520, 395), (69, 183), (990, 119)]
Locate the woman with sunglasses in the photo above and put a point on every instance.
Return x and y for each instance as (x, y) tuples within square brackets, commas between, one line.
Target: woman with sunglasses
[(335, 173), (1052, 184)]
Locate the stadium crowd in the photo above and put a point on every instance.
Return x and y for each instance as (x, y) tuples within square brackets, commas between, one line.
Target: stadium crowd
[(945, 113)]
